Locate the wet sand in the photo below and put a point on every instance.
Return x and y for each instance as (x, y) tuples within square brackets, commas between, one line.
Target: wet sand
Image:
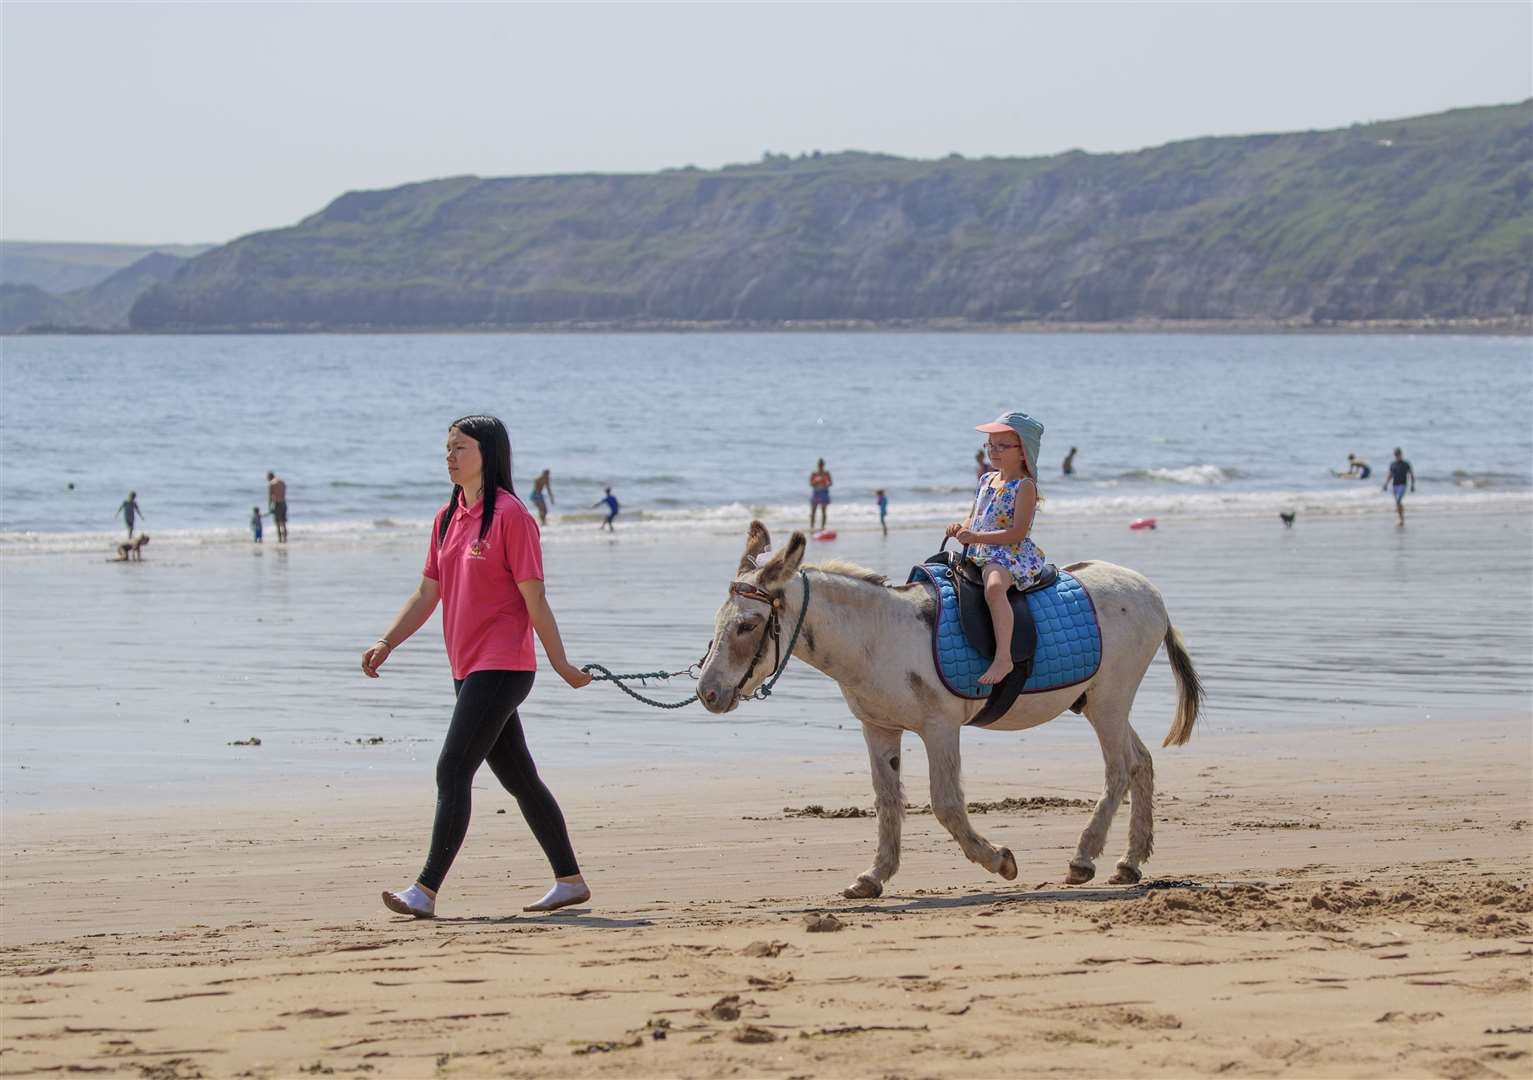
[(1343, 877)]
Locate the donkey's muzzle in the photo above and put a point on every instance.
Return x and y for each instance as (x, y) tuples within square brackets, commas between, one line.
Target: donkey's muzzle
[(718, 701)]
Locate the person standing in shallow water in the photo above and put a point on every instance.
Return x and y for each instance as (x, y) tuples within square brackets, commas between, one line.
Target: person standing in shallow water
[(608, 500), (1399, 472), (484, 562), (276, 502), (819, 493), (1068, 467), (542, 495), (129, 511)]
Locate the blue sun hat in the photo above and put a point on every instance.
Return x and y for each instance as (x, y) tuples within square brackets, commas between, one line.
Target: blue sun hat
[(1026, 428)]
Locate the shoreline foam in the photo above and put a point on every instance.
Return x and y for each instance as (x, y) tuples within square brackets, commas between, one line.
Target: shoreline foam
[(1190, 502)]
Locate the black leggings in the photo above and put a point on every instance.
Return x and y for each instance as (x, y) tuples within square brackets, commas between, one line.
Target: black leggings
[(485, 727)]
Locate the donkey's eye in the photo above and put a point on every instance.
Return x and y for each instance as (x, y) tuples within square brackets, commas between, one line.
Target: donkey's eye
[(746, 628)]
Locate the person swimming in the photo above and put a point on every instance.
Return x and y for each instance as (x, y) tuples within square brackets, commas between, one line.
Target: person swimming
[(1357, 469)]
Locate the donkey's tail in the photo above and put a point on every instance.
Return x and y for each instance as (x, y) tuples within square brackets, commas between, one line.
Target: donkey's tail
[(1190, 700)]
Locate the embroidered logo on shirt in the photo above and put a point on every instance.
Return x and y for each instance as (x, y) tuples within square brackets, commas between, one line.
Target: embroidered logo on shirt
[(475, 550)]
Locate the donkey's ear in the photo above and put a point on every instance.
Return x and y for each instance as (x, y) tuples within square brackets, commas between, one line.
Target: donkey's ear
[(756, 542), (784, 564)]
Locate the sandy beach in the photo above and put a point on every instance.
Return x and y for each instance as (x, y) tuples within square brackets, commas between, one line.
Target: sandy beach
[(1317, 919), (1342, 883)]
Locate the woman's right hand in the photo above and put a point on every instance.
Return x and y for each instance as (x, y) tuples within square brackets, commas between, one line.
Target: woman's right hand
[(374, 657), (952, 530), (574, 676)]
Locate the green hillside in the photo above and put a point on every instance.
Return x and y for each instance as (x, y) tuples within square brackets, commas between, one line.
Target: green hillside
[(1425, 218)]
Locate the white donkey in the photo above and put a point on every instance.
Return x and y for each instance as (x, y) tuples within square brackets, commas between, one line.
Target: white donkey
[(874, 640)]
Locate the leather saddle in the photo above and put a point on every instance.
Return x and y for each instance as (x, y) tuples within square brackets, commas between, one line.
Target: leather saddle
[(979, 629)]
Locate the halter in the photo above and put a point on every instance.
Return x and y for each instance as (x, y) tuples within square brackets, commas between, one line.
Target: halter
[(773, 631)]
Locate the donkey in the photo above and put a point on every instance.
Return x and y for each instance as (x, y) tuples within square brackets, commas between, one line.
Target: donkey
[(874, 640)]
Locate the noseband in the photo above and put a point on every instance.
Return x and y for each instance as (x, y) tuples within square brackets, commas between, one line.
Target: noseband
[(772, 631)]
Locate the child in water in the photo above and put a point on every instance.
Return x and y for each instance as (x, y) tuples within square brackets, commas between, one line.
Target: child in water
[(995, 532), (255, 523), (610, 502)]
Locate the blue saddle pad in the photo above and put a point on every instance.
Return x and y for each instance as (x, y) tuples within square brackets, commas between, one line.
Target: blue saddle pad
[(1069, 639)]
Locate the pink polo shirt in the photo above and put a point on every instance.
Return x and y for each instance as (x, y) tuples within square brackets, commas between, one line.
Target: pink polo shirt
[(484, 618)]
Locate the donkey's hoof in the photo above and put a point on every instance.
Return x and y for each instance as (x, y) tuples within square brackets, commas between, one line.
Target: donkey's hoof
[(1079, 875), (864, 888), (1125, 875), (1008, 867)]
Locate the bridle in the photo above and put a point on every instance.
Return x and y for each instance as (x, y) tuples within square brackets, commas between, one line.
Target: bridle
[(772, 631)]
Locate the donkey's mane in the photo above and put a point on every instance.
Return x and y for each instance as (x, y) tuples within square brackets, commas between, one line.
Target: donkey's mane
[(851, 570)]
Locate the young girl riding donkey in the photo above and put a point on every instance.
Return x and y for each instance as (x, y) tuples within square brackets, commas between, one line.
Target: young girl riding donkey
[(996, 530)]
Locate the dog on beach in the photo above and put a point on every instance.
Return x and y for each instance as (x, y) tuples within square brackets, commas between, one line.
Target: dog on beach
[(132, 549), (1288, 517)]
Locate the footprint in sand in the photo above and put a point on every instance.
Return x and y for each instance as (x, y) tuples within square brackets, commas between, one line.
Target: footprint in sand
[(314, 1014)]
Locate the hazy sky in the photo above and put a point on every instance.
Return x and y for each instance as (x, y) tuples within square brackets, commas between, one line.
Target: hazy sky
[(203, 121)]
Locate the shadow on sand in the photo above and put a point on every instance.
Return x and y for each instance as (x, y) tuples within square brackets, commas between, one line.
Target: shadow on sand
[(568, 917), (1064, 894)]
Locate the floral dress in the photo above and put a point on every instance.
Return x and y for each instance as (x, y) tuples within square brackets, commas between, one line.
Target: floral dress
[(995, 509)]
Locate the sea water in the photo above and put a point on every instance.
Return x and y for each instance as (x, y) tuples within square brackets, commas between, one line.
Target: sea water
[(704, 431), (125, 683)]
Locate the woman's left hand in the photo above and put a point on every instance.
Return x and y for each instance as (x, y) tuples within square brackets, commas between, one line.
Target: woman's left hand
[(574, 676), (966, 536)]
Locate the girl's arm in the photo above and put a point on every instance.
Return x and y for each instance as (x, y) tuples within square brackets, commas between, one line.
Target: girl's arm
[(958, 528), (1022, 521), (411, 618), (548, 632)]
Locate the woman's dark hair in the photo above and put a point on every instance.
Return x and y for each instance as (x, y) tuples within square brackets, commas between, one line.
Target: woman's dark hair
[(495, 450)]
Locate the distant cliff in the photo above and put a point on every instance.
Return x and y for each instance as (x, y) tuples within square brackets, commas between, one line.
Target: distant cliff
[(70, 267), (102, 306), (1418, 219)]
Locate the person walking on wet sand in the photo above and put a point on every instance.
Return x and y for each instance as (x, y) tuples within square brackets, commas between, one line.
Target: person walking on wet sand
[(276, 499), (255, 523), (129, 511), (1399, 472), (819, 493), (485, 563), (883, 510), (542, 495)]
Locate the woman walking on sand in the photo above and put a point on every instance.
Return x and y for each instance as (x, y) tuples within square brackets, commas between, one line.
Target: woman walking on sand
[(485, 563)]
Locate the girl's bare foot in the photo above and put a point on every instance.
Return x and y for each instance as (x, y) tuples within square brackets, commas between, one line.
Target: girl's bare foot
[(996, 672)]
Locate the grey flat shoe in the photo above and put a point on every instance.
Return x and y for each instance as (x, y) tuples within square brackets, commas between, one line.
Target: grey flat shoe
[(394, 902), (555, 905)]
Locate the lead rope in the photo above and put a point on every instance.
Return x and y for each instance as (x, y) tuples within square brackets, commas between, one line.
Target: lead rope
[(761, 693), (643, 676)]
